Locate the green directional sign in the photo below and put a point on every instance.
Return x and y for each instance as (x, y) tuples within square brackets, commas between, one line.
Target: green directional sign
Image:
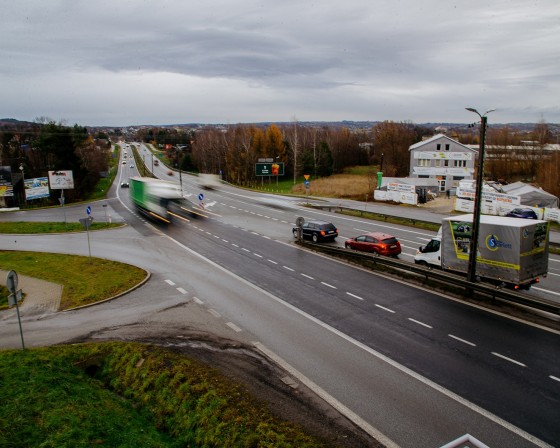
[(269, 169)]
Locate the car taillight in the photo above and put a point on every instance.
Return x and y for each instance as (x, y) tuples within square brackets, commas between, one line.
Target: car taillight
[(323, 233)]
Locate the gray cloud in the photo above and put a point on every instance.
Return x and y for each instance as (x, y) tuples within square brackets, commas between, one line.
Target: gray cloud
[(133, 62)]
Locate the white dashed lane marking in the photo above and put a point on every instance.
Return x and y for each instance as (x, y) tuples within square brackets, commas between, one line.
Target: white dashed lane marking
[(509, 359), (354, 295), (384, 308), (419, 323), (464, 341), (169, 282)]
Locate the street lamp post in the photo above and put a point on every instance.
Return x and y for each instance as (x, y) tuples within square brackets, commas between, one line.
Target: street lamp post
[(23, 181), (473, 250)]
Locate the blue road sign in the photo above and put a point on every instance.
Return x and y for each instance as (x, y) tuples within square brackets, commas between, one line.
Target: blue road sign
[(200, 197), (306, 183), (88, 210)]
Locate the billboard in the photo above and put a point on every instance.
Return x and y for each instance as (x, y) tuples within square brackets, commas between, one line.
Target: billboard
[(6, 185), (36, 188), (269, 169), (61, 180)]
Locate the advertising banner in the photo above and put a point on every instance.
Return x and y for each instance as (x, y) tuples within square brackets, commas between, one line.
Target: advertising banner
[(36, 188), (393, 186), (269, 169), (61, 180), (6, 186)]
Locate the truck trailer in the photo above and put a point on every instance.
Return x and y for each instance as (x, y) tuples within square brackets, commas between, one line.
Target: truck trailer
[(511, 252), (159, 199)]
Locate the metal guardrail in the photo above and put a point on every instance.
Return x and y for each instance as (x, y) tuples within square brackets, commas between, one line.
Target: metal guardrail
[(441, 277)]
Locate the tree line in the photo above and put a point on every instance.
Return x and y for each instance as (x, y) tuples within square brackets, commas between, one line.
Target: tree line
[(232, 151)]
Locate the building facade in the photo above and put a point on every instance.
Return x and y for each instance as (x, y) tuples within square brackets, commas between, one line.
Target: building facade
[(443, 159)]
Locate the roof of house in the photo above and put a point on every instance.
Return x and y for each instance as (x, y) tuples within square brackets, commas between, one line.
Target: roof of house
[(439, 137)]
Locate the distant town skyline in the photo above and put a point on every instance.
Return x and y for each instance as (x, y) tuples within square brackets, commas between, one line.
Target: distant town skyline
[(162, 63)]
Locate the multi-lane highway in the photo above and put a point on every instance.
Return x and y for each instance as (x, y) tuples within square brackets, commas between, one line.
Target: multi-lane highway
[(414, 366)]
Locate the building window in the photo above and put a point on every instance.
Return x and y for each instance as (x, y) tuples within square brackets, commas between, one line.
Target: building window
[(438, 147), (446, 163), (424, 162), (438, 163), (460, 163), (447, 145)]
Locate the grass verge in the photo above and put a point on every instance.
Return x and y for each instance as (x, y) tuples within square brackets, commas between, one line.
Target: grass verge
[(85, 280), (129, 395), (25, 227)]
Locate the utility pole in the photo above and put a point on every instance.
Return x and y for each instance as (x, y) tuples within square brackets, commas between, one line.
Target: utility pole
[(473, 249)]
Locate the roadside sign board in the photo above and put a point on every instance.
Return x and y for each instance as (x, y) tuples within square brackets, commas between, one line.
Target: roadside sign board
[(60, 180), (269, 169), (88, 210)]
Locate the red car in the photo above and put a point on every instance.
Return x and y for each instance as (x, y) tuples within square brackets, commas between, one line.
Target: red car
[(376, 242)]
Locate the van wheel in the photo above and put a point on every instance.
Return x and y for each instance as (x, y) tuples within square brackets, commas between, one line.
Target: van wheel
[(315, 238)]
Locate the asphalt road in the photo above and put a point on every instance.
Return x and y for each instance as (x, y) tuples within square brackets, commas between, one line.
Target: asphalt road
[(420, 368)]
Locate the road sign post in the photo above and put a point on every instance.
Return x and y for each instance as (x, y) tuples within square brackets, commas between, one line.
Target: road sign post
[(14, 298), (86, 222)]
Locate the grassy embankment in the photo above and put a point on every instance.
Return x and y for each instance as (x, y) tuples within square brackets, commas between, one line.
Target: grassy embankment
[(129, 395)]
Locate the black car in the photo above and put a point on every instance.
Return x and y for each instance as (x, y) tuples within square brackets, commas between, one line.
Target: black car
[(125, 185), (526, 213), (317, 231)]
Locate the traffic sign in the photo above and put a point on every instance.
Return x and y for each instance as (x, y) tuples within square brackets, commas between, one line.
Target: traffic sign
[(86, 222), (200, 197), (14, 298), (12, 281), (88, 210), (306, 183)]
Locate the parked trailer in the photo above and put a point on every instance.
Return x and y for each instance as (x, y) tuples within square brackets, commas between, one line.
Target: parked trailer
[(511, 251), (159, 199)]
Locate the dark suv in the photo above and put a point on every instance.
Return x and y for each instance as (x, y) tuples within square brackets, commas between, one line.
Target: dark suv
[(526, 213), (317, 231)]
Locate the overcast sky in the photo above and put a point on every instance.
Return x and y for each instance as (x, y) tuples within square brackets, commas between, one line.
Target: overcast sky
[(134, 62)]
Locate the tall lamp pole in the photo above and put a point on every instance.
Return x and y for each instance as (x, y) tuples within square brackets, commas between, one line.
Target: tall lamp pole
[(473, 250), (23, 182)]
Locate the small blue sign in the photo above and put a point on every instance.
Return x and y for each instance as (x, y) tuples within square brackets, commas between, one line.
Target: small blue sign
[(88, 210), (306, 183), (200, 197)]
